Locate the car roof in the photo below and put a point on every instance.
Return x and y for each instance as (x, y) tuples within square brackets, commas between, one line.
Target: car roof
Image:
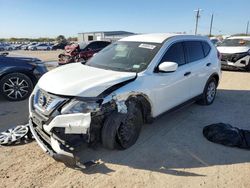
[(159, 37)]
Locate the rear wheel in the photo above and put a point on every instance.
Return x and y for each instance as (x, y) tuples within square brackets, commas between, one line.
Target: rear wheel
[(209, 92), (248, 66), (121, 131), (16, 86)]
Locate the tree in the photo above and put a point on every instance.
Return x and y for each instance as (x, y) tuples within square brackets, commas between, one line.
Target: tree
[(61, 39), (72, 39)]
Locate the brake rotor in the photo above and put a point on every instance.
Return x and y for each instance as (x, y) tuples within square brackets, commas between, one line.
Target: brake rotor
[(12, 135)]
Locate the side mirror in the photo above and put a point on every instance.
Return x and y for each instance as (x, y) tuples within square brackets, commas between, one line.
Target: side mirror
[(168, 67)]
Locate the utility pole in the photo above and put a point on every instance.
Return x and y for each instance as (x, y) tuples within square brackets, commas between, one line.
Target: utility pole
[(247, 28), (211, 25), (197, 19)]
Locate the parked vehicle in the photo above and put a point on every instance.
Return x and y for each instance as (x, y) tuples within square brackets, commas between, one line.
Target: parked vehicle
[(40, 47), (235, 52), (128, 83), (6, 47), (81, 52), (25, 47), (18, 76), (59, 46)]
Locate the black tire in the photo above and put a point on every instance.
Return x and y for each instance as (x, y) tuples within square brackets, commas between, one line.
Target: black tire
[(35, 48), (48, 48), (121, 131), (16, 86), (209, 92), (248, 67)]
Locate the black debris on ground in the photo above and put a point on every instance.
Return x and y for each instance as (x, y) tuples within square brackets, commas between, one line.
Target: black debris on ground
[(227, 135)]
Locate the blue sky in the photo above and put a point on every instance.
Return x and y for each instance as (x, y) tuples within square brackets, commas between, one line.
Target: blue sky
[(49, 18)]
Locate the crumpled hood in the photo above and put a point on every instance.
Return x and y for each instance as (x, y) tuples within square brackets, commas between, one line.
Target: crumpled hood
[(232, 50), (81, 80)]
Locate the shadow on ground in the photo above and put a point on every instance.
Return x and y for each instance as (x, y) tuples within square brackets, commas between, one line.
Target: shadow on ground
[(175, 142)]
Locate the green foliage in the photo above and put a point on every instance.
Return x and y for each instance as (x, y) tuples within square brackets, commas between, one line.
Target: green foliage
[(61, 39)]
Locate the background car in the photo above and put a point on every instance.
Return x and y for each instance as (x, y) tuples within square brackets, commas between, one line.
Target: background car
[(18, 76), (235, 52), (81, 52), (6, 47), (25, 47), (59, 46), (40, 47)]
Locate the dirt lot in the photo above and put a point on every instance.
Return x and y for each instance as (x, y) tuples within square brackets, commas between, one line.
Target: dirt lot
[(171, 152), (43, 55)]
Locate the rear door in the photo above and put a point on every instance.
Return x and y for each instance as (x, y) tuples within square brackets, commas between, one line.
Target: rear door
[(198, 63)]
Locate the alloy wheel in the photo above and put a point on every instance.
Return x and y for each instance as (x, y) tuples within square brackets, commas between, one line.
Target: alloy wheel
[(13, 135), (211, 91), (16, 88)]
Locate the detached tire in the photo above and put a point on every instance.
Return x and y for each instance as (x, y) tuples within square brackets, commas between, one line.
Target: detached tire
[(209, 92), (121, 131), (16, 86)]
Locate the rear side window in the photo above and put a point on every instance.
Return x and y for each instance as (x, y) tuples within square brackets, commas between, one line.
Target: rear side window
[(194, 50), (175, 54), (206, 48)]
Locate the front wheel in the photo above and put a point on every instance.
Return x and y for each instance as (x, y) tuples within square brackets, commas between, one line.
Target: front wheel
[(121, 131), (16, 86), (248, 67), (209, 92)]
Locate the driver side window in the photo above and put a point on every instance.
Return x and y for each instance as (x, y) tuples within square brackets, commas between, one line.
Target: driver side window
[(175, 54)]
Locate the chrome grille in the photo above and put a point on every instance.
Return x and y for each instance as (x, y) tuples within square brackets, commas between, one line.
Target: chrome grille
[(46, 103)]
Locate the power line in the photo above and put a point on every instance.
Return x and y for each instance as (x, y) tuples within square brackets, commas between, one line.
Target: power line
[(197, 19)]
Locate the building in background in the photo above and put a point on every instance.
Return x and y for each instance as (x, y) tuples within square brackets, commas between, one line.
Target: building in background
[(103, 35)]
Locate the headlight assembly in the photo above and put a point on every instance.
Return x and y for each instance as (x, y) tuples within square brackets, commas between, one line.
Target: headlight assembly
[(76, 106)]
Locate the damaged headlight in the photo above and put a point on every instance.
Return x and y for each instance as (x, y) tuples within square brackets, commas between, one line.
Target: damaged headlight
[(76, 106)]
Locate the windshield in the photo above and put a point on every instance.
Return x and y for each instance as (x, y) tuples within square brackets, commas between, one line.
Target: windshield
[(235, 42), (125, 56)]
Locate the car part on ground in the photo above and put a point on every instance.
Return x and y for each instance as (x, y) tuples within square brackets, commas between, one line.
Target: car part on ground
[(18, 75), (16, 135), (127, 84), (225, 134), (80, 53)]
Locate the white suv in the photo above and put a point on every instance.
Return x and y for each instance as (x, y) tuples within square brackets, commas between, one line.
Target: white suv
[(128, 83), (235, 52)]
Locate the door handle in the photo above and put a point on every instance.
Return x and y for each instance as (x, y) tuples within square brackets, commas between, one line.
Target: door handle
[(208, 64), (187, 73)]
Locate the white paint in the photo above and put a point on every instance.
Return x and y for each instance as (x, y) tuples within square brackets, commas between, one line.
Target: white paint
[(77, 79), (73, 123), (154, 38), (233, 49)]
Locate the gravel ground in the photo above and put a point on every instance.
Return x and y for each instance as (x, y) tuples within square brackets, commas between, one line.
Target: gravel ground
[(171, 152)]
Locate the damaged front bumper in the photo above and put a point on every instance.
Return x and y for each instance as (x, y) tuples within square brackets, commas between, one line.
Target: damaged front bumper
[(235, 60)]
